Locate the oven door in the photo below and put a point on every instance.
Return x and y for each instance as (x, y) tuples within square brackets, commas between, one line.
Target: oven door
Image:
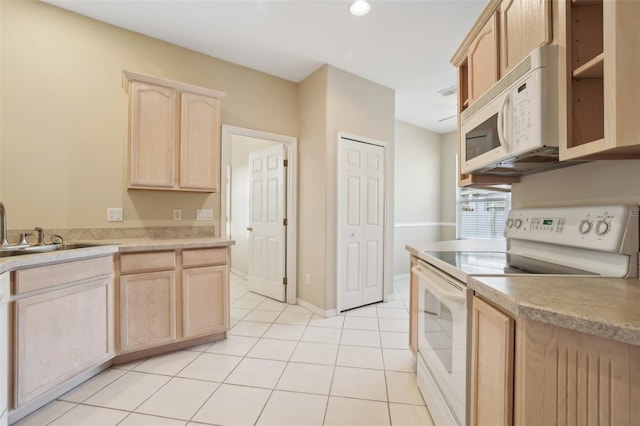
[(442, 344)]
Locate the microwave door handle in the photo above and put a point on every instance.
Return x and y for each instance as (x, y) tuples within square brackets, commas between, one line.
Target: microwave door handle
[(438, 290), (502, 120)]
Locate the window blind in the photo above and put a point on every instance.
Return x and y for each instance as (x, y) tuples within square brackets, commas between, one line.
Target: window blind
[(482, 213)]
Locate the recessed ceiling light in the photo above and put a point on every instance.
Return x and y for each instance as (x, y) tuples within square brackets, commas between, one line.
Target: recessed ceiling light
[(359, 8)]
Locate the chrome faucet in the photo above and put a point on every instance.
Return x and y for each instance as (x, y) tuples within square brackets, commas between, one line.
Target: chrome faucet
[(3, 226), (40, 232)]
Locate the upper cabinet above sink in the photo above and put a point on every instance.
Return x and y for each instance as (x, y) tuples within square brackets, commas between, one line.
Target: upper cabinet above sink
[(174, 135)]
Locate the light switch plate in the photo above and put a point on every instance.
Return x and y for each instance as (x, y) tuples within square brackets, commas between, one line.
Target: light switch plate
[(177, 214), (204, 214), (114, 214)]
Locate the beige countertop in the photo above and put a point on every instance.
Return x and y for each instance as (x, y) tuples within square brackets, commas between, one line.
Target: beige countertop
[(145, 244), (106, 247), (605, 307)]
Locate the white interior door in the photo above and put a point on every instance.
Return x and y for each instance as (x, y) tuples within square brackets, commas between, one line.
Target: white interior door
[(267, 231), (361, 224)]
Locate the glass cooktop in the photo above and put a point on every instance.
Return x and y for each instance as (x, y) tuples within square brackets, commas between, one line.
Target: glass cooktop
[(499, 263)]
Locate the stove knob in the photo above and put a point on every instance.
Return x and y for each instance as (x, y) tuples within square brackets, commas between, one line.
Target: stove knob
[(602, 227), (585, 226), (509, 223), (518, 223)]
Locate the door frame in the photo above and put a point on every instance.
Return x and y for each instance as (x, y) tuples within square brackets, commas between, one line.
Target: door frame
[(387, 267), (291, 148)]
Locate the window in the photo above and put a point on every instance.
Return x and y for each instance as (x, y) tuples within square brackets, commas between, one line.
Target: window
[(482, 213)]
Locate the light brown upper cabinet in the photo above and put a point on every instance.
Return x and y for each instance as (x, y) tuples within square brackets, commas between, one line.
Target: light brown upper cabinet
[(483, 59), (174, 135), (524, 25), (603, 65), (504, 34)]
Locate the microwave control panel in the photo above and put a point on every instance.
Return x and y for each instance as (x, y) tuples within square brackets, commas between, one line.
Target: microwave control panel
[(526, 114), (602, 228)]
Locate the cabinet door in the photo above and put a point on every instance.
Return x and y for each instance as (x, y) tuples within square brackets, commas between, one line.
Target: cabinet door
[(199, 143), (524, 25), (60, 334), (413, 308), (205, 294), (152, 136), (565, 377), (483, 60), (4, 347), (147, 310), (492, 357)]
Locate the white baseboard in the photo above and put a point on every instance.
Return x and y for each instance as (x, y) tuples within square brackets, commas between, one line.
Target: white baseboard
[(313, 308), (401, 277)]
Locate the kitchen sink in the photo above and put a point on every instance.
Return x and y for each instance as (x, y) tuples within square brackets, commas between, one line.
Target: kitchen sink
[(56, 247), (45, 248), (9, 253)]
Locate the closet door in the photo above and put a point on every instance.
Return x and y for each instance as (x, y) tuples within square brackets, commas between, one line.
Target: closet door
[(361, 224)]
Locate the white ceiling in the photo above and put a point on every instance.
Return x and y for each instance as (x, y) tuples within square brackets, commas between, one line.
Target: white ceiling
[(403, 45)]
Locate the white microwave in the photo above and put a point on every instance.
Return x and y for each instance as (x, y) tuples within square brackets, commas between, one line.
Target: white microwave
[(513, 128)]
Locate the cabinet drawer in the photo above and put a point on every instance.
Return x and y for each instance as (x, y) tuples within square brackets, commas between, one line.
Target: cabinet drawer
[(43, 277), (147, 262), (204, 257)]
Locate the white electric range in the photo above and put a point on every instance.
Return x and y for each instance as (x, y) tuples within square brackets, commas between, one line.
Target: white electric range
[(577, 241)]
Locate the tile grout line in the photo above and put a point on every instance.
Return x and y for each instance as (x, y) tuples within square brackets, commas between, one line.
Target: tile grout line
[(307, 326), (333, 374), (227, 376)]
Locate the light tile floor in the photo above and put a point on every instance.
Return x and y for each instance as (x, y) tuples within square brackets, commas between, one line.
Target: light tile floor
[(280, 365)]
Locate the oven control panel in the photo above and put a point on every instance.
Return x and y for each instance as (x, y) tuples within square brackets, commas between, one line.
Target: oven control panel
[(612, 228)]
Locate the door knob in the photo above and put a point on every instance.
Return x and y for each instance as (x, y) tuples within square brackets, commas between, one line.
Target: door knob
[(249, 228)]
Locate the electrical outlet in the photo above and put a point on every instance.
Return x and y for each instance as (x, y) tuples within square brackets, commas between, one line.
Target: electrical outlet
[(204, 214), (177, 214), (114, 214), (307, 279)]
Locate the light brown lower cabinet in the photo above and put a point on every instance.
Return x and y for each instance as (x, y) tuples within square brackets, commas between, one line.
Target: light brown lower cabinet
[(564, 377), (63, 330), (147, 310), (4, 348), (413, 308), (171, 297), (560, 376), (204, 292), (492, 356)]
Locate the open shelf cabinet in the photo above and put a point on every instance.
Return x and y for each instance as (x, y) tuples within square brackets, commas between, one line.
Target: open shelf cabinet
[(602, 41)]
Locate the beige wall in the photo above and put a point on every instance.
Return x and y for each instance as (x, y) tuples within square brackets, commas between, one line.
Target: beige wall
[(363, 108), (418, 190), (332, 100), (312, 159), (241, 146), (64, 117), (64, 130), (598, 182)]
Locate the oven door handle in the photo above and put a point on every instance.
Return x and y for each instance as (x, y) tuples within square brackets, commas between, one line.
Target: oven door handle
[(437, 289)]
